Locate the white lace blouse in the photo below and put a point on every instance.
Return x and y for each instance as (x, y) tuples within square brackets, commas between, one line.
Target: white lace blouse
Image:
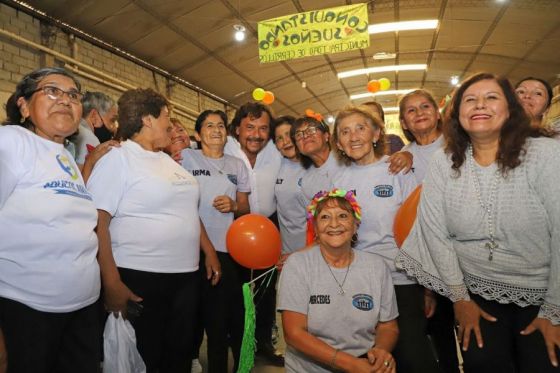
[(446, 248)]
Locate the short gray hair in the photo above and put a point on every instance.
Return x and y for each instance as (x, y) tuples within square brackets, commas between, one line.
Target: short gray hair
[(98, 101)]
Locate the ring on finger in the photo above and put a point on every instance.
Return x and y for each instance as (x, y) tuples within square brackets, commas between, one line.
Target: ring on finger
[(387, 363)]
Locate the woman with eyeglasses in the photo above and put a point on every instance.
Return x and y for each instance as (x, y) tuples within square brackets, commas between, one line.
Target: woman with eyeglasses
[(311, 138), (49, 276), (535, 95)]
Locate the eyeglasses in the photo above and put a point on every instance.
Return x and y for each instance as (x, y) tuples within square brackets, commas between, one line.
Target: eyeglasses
[(309, 131), (55, 93)]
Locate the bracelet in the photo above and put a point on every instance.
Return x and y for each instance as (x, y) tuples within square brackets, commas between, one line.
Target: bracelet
[(333, 360)]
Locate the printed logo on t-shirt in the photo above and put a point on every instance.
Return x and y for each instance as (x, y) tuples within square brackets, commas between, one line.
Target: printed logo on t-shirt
[(66, 166), (232, 178), (363, 302), (68, 188), (320, 299), (383, 191)]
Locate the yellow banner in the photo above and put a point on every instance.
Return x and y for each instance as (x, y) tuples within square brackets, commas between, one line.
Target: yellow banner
[(314, 33)]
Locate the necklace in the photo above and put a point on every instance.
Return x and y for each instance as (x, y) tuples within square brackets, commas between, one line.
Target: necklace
[(340, 285), (219, 169), (488, 206)]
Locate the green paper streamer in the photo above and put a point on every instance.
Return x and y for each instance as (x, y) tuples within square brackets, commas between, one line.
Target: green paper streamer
[(248, 346)]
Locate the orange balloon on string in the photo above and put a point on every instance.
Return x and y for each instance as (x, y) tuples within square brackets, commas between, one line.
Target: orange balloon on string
[(254, 241), (406, 215), (373, 86), (268, 98)]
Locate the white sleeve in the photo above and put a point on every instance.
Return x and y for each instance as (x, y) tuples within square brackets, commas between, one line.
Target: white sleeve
[(12, 158), (408, 184), (428, 253), (107, 182), (293, 289)]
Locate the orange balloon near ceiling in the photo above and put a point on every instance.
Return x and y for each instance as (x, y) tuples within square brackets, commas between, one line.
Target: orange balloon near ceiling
[(268, 98), (373, 86)]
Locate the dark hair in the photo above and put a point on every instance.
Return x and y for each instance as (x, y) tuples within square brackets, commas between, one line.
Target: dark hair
[(252, 110), (378, 147), (543, 82), (25, 88), (341, 202), (202, 117), (135, 104), (513, 134), (98, 101), (285, 119), (306, 161), (428, 96), (378, 106)]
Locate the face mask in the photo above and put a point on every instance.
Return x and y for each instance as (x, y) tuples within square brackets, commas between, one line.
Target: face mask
[(102, 133)]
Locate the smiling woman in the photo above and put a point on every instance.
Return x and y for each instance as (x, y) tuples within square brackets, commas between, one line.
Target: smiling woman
[(49, 276), (338, 304), (487, 232)]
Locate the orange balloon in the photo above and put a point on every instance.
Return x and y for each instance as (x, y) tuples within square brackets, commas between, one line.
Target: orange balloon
[(406, 215), (254, 242), (309, 113), (373, 86), (268, 98)]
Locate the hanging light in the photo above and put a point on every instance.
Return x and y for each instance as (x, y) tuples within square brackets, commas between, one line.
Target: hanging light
[(239, 34)]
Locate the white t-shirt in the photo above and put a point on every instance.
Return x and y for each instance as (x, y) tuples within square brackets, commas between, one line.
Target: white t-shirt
[(380, 195), (290, 206), (262, 177), (344, 321), (422, 155), (216, 177), (48, 246), (154, 205), (84, 138), (321, 178)]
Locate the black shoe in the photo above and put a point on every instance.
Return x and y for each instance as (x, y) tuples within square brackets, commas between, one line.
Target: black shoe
[(269, 353)]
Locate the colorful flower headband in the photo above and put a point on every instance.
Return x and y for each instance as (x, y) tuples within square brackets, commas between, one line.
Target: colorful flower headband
[(337, 193)]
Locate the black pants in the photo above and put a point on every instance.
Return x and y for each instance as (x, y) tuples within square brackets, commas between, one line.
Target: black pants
[(45, 342), (413, 352), (223, 315), (165, 328), (441, 329), (505, 350)]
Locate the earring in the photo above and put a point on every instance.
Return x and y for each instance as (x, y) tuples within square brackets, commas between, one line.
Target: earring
[(354, 240), (375, 144), (22, 119)]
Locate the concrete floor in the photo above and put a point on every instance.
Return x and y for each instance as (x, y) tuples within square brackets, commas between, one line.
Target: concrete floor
[(260, 364)]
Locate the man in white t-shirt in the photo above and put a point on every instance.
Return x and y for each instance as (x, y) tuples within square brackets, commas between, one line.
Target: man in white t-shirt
[(250, 132), (99, 117)]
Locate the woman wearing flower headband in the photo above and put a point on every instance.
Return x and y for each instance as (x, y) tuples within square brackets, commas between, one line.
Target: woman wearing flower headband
[(338, 304), (359, 137)]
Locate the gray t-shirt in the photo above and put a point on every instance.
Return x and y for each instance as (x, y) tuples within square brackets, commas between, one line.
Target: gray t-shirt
[(422, 154), (380, 194), (320, 178), (223, 176), (84, 138), (346, 322), (290, 206)]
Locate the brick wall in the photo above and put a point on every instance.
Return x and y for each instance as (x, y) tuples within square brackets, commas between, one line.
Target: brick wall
[(17, 59)]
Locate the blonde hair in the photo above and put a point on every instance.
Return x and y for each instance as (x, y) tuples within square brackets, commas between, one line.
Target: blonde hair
[(378, 147)]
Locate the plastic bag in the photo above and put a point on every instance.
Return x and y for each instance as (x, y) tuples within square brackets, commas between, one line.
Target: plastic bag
[(119, 347)]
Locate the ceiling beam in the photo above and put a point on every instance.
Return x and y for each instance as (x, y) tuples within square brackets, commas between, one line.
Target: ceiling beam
[(434, 41)]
